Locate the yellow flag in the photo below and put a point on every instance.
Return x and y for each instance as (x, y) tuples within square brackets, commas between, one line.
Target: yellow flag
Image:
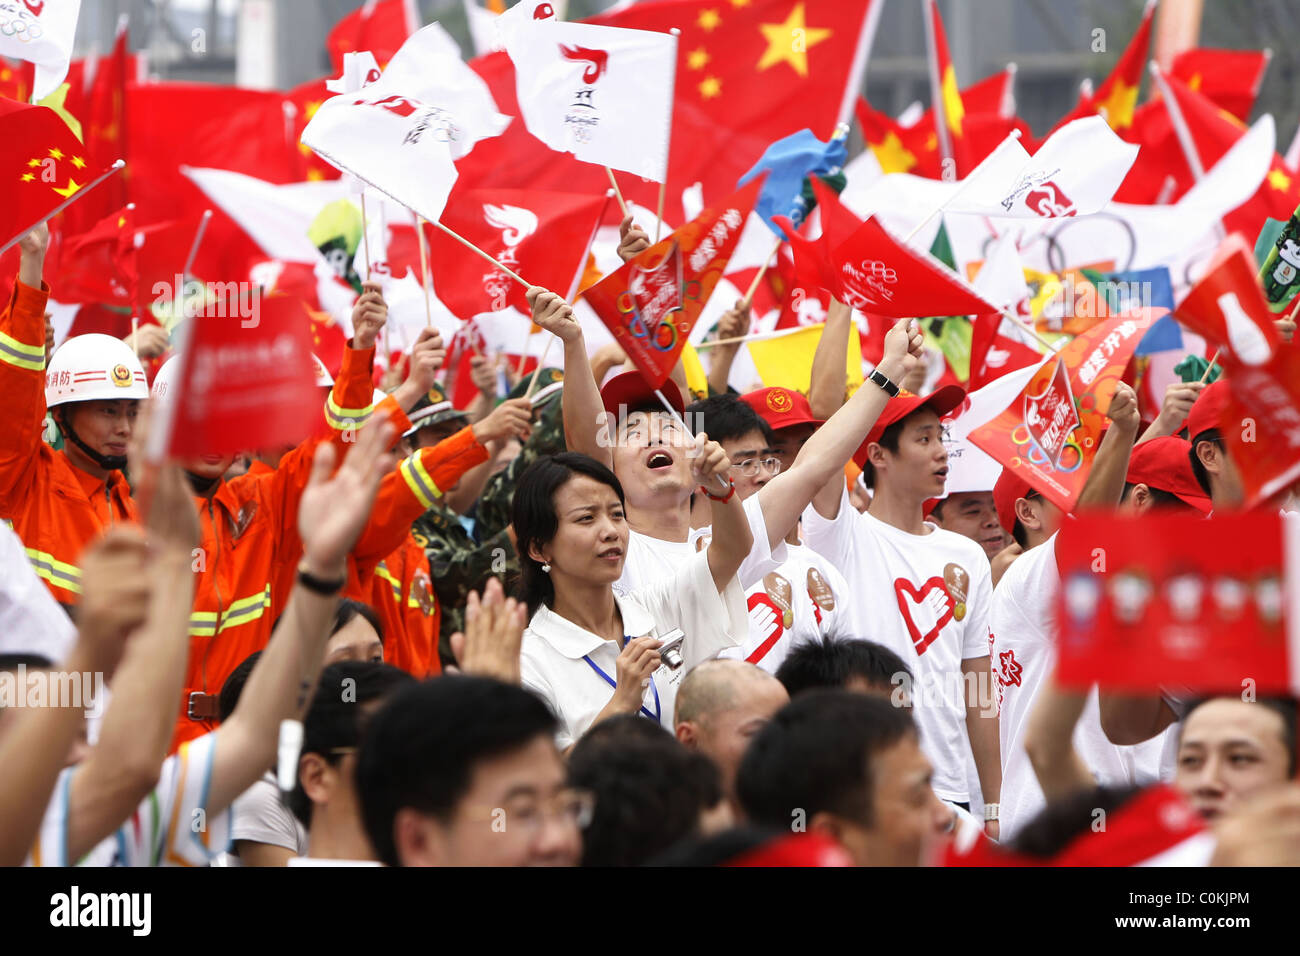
[(787, 360), (696, 379)]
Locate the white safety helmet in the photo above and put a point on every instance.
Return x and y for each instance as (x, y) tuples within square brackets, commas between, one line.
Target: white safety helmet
[(165, 380), (323, 376), (94, 367)]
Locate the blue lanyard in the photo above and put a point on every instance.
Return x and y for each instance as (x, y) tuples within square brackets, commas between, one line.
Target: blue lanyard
[(614, 684)]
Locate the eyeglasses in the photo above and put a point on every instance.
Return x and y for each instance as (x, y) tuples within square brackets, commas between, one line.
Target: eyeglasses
[(749, 467), (527, 814)]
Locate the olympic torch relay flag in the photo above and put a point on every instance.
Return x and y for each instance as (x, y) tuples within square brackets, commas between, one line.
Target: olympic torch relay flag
[(401, 133), (1049, 434), (41, 32), (42, 165), (604, 94), (652, 303)]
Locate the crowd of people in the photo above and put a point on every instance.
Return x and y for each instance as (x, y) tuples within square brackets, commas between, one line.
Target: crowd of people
[(559, 626)]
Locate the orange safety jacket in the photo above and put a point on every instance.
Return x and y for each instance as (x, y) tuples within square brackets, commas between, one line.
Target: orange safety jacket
[(251, 546), (401, 593), (54, 507)]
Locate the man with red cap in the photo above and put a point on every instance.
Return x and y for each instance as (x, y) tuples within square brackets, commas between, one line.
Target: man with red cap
[(1024, 651), (1160, 476), (923, 592), (1212, 466)]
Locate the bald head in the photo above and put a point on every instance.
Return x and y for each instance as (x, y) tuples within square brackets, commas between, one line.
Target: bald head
[(720, 706)]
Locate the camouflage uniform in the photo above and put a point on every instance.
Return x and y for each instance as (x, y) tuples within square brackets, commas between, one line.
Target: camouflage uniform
[(460, 562)]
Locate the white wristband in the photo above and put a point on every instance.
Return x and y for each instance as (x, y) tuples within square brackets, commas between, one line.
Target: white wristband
[(990, 811)]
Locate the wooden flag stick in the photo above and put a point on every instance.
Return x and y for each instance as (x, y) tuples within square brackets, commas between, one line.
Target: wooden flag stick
[(532, 383), (1209, 367), (365, 232), (618, 193), (135, 333), (752, 337), (424, 271), (659, 222), (479, 252), (663, 400), (198, 241), (762, 271), (67, 202)]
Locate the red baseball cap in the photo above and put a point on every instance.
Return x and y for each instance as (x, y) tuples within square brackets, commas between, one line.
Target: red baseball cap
[(1164, 463), (1009, 489), (630, 390), (1209, 409), (781, 407), (941, 401)]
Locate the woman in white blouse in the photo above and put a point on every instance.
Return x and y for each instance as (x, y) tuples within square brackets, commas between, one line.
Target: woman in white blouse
[(592, 653)]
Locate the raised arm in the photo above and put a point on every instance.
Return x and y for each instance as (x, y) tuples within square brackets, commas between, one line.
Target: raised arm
[(1179, 399), (818, 472), (331, 514), (826, 391), (733, 324), (1105, 485), (22, 370), (584, 413), (732, 539)]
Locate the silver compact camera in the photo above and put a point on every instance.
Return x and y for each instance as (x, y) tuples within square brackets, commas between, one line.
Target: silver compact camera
[(670, 650)]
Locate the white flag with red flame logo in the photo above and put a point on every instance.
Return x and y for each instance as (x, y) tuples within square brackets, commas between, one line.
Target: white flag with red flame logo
[(401, 133), (1074, 173), (40, 32), (604, 94)]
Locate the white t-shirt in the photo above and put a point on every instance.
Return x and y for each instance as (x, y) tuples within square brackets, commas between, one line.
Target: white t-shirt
[(926, 597), (1024, 655), (170, 827), (31, 621), (563, 663), (259, 815), (652, 559), (800, 602)]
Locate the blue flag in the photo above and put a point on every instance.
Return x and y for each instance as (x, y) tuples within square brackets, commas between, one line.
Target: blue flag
[(1140, 289), (788, 162)]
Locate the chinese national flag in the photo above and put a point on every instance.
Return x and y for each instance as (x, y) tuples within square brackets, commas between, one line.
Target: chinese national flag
[(16, 79), (748, 74), (103, 123), (100, 264), (1049, 434), (306, 99), (650, 305), (543, 236), (377, 26), (1230, 78), (42, 166), (1118, 94), (897, 148), (1178, 601), (947, 105), (244, 386)]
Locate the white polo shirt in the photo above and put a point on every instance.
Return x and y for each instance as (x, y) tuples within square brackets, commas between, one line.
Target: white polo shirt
[(564, 663)]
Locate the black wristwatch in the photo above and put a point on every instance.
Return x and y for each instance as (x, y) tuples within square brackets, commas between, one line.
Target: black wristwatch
[(320, 585), (888, 387)]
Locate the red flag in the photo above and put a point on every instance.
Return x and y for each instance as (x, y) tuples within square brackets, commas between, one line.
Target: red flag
[(245, 385), (100, 264), (993, 354), (543, 236), (103, 124), (305, 100), (43, 165), (651, 303), (16, 79), (945, 95), (1176, 600), (379, 26), (1117, 97), (1228, 306), (1049, 434), (1230, 78), (873, 272), (897, 148), (747, 75)]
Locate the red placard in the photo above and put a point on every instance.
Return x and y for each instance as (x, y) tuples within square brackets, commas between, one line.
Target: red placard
[(1170, 599)]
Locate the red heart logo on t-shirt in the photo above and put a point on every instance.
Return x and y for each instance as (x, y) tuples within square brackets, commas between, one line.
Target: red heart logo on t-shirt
[(918, 602)]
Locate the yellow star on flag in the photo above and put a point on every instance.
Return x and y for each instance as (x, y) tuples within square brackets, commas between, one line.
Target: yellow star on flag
[(315, 175), (1119, 106), (710, 87), (1194, 83), (739, 3), (312, 107), (33, 162), (697, 59), (892, 155), (708, 20), (953, 111), (27, 177), (789, 42), (1279, 180), (69, 189), (78, 162), (56, 153), (55, 101)]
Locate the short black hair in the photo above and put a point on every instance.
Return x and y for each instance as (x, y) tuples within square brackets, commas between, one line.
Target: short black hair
[(336, 716), (532, 514), (650, 790), (888, 440), (833, 663), (1058, 824), (12, 661), (1160, 499), (1198, 470), (1284, 707), (234, 686), (420, 748), (348, 609), (815, 755), (726, 418)]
